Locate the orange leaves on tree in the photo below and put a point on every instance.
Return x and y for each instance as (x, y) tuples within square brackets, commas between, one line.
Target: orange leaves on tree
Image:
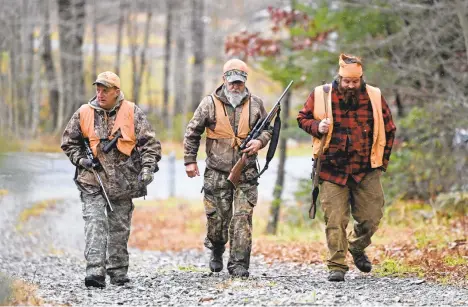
[(270, 44)]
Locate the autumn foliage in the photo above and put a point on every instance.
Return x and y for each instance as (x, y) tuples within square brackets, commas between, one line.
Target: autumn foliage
[(271, 43)]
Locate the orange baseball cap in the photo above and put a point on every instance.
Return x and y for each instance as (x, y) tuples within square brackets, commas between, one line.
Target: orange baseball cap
[(235, 70), (108, 79)]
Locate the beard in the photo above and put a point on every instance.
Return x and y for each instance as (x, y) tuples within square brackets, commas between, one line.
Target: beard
[(235, 97), (350, 94)]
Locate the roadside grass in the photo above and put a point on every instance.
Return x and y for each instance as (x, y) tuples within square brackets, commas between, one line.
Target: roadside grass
[(17, 293), (406, 244), (192, 268), (51, 144), (395, 268), (35, 210)]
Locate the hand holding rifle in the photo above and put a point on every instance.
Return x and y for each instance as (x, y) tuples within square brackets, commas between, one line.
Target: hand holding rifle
[(92, 164), (251, 145)]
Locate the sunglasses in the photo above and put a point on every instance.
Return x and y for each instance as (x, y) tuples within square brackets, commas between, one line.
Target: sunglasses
[(235, 72)]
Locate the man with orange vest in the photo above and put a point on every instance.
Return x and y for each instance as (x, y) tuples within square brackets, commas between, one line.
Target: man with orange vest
[(125, 172), (357, 124), (227, 116)]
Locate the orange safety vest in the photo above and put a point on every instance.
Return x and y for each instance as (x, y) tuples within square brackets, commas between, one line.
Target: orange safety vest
[(379, 141), (224, 130), (124, 121)]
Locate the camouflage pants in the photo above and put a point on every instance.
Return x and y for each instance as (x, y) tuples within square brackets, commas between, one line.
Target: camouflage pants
[(229, 216), (366, 202), (106, 237)]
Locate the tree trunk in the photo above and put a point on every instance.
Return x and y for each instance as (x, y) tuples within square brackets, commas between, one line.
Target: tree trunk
[(139, 73), (15, 96), (78, 75), (71, 32), (27, 64), (198, 38), (51, 74), (133, 45), (35, 95), (95, 42), (167, 63), (180, 80), (272, 226), (120, 27)]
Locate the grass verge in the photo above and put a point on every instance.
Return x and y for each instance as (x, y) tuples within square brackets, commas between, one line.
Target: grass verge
[(399, 248), (17, 293)]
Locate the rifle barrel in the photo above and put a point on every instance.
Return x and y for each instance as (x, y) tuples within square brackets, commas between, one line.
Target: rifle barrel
[(103, 190), (260, 125)]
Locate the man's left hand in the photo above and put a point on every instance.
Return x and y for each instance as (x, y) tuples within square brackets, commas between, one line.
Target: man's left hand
[(146, 176), (252, 147)]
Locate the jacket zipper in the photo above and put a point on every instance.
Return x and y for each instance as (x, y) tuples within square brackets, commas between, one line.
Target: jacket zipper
[(235, 135)]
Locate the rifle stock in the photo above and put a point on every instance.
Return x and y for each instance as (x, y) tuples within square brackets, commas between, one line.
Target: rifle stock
[(236, 171)]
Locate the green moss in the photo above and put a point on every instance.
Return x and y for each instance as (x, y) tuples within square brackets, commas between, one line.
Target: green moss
[(455, 261), (395, 268), (192, 268)]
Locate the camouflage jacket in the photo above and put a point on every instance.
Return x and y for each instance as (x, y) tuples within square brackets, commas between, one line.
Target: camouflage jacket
[(220, 154), (119, 172)]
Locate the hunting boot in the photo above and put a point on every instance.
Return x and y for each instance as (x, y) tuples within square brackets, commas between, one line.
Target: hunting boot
[(216, 258), (239, 271), (95, 281), (119, 280), (336, 276), (361, 261)]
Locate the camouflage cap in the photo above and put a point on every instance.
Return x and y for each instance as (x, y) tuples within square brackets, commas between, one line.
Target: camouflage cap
[(108, 79), (235, 70)]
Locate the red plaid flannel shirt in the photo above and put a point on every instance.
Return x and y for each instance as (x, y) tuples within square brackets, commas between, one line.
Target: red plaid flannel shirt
[(350, 145)]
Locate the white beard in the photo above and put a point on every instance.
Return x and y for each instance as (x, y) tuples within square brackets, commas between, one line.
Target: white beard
[(235, 98)]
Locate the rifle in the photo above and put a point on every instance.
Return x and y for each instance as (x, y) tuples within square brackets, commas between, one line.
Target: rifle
[(316, 164), (96, 164), (236, 171), (111, 144)]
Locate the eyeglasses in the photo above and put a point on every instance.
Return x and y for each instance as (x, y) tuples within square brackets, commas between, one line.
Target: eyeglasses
[(235, 72)]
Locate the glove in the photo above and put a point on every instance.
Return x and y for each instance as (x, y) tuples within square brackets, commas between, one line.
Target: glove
[(324, 125), (86, 163), (146, 176)]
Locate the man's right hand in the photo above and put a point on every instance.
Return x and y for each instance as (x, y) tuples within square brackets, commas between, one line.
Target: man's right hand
[(86, 163), (324, 125), (192, 170)]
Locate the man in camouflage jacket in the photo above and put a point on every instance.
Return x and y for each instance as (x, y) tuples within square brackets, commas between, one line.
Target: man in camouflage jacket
[(125, 171), (227, 116)]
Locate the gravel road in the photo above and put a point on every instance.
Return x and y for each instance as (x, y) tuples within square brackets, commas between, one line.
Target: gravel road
[(46, 250)]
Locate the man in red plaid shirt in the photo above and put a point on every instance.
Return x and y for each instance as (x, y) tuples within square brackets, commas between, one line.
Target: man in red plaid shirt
[(357, 124)]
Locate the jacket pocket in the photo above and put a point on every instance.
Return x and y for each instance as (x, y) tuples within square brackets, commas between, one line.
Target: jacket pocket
[(363, 139), (128, 180)]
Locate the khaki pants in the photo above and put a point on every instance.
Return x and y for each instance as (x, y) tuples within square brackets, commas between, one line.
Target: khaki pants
[(365, 201)]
